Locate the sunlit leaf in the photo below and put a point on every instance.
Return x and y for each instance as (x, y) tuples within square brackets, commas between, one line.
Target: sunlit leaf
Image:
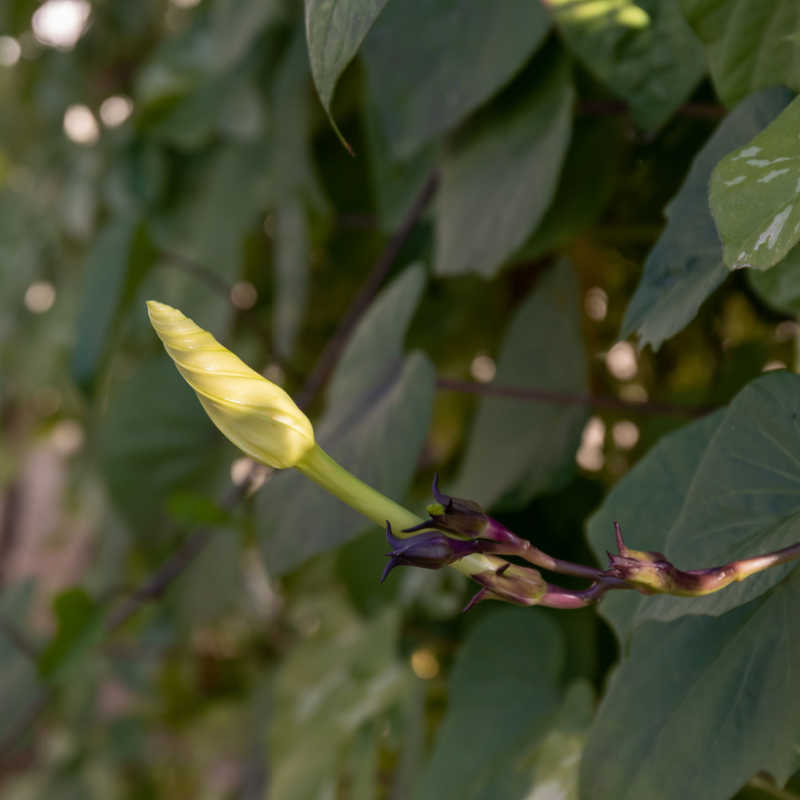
[(686, 266), (644, 51), (755, 195), (750, 44)]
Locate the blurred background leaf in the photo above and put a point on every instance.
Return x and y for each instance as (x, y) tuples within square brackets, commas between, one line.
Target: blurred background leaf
[(377, 415), (644, 51), (175, 622), (503, 701), (335, 31), (429, 64), (749, 45), (500, 174), (155, 439), (686, 264), (518, 448)]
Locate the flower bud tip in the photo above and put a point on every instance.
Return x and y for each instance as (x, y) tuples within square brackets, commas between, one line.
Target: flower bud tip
[(254, 413)]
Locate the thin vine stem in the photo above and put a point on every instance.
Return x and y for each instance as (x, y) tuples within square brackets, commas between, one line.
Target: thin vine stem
[(534, 394)]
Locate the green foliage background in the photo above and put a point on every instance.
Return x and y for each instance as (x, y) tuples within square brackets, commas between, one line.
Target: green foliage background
[(563, 173)]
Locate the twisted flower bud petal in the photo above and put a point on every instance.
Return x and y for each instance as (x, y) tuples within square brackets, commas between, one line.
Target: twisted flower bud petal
[(254, 413)]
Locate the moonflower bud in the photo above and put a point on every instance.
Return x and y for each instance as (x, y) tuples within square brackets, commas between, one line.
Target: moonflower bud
[(254, 413)]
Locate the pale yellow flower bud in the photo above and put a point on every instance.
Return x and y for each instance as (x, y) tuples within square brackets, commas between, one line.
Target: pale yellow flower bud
[(254, 413)]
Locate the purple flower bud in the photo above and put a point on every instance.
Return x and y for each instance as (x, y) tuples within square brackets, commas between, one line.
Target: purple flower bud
[(460, 517), (645, 570), (465, 518), (649, 572), (521, 586), (429, 550)]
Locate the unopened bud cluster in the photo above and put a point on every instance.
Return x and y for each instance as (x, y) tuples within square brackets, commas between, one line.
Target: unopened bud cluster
[(459, 527), (262, 420)]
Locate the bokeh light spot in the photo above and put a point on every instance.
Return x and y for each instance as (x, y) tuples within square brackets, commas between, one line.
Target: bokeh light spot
[(80, 125), (115, 110), (244, 469), (483, 368), (10, 51), (60, 23), (595, 303), (67, 437), (590, 453), (621, 361), (424, 663), (40, 296), (244, 295), (625, 434)]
